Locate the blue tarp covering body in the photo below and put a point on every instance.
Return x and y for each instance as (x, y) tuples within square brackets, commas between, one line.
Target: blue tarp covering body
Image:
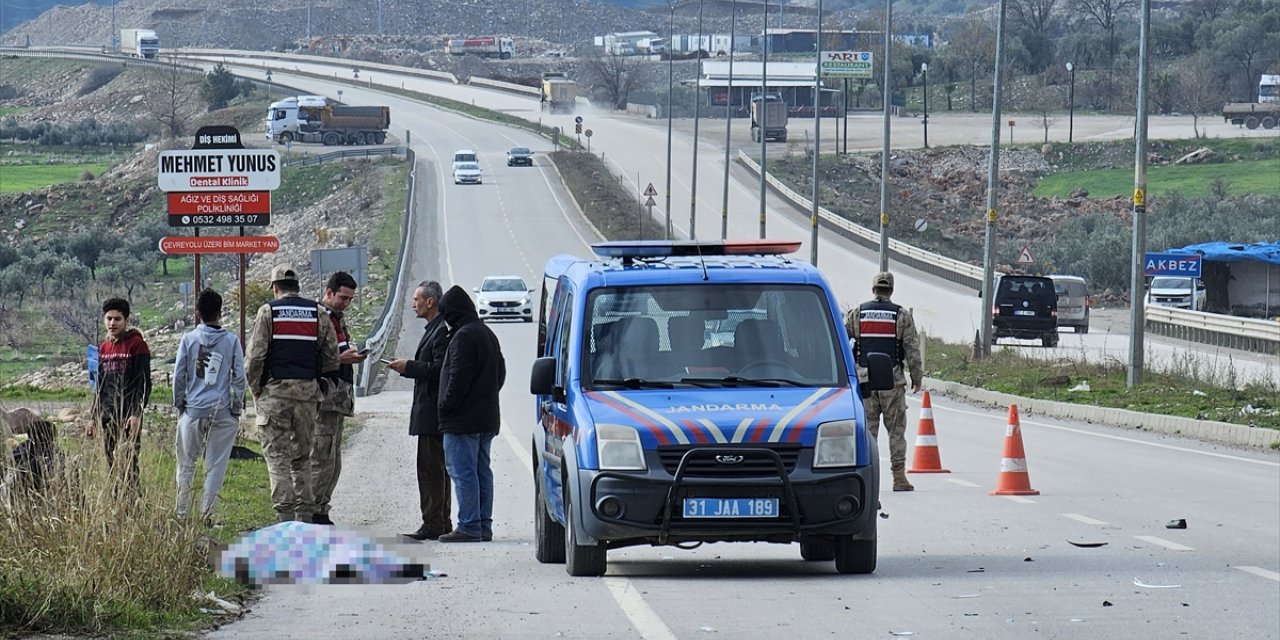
[(1228, 252)]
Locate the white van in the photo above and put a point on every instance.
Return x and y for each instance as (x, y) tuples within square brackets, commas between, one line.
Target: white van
[(464, 155), (1073, 302)]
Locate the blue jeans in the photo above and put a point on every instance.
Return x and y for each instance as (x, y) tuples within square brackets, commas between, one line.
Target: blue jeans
[(466, 456)]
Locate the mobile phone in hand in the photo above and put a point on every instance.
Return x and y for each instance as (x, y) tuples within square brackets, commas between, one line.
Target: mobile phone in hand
[(363, 351), (385, 360)]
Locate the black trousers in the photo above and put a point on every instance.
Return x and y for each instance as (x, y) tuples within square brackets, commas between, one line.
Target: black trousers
[(126, 447), (434, 489)]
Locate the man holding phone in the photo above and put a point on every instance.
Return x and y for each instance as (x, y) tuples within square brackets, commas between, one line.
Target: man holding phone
[(434, 488), (338, 388)]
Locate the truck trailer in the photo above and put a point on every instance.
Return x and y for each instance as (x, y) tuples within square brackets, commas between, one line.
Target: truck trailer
[(315, 119), (1265, 112), (139, 43), (768, 118), (487, 46), (559, 93)]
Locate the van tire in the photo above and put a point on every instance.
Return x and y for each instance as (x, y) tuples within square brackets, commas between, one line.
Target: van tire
[(817, 549), (1084, 329), (548, 534), (580, 560), (855, 556)]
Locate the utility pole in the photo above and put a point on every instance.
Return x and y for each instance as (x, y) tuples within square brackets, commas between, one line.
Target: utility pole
[(697, 107), (671, 31), (764, 92), (1137, 313), (817, 138), (887, 90), (728, 126), (993, 183)]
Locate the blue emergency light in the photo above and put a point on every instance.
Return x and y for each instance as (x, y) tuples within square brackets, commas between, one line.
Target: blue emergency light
[(674, 248)]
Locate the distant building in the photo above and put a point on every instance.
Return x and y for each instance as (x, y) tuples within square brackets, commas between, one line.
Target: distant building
[(631, 43), (792, 80)]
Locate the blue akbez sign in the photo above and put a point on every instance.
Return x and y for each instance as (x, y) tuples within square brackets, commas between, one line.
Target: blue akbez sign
[(1186, 265)]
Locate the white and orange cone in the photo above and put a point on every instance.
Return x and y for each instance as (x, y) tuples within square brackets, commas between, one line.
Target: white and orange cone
[(926, 458), (1013, 479)]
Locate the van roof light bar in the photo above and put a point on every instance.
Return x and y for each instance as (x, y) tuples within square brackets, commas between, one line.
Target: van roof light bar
[(673, 248)]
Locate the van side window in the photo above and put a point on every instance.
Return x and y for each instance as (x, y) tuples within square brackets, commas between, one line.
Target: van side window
[(565, 332)]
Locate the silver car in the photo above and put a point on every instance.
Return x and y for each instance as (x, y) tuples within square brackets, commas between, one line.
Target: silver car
[(504, 297), (1073, 302)]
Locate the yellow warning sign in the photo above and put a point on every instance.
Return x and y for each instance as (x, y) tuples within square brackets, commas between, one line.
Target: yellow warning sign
[(991, 214), (1139, 198), (884, 218)]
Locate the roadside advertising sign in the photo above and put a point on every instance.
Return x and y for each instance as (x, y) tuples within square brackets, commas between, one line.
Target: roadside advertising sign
[(218, 170), (171, 245), (219, 208), (846, 64)]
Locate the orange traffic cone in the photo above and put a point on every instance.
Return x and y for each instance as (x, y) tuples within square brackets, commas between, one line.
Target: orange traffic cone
[(926, 458), (1013, 480)]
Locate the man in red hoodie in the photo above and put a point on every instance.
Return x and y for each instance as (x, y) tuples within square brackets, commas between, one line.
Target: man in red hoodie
[(124, 387)]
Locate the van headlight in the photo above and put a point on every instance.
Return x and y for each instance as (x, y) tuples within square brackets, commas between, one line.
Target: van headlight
[(837, 445), (619, 448)]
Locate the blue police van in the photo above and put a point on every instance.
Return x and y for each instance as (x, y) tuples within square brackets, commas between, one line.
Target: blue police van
[(695, 392)]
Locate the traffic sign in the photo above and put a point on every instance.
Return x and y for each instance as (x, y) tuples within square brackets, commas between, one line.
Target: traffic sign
[(578, 119), (218, 170), (846, 64), (1184, 265), (171, 245), (587, 133), (650, 202), (1025, 257), (650, 191)]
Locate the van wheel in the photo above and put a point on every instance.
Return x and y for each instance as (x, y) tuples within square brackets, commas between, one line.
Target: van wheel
[(855, 556), (1084, 329), (818, 549), (548, 534), (580, 560), (1049, 340)]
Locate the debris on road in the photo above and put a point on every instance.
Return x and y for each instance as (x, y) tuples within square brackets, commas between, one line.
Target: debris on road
[(1087, 545), (1139, 583), (1180, 523)]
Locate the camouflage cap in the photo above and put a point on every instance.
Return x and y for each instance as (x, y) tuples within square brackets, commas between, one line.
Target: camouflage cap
[(883, 280), (283, 272)]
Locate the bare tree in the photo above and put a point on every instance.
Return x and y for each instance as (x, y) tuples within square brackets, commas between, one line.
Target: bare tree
[(79, 316), (974, 46), (1035, 20), (1107, 14), (614, 75), (171, 96), (1199, 90)]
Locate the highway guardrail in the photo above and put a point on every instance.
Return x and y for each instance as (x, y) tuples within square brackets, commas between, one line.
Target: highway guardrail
[(389, 320), (1248, 334), (302, 161)]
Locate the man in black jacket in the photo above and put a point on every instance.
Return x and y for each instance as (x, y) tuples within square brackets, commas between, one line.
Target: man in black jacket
[(424, 420), (472, 374)]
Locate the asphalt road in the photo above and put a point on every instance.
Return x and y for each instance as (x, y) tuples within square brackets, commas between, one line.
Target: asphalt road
[(954, 561)]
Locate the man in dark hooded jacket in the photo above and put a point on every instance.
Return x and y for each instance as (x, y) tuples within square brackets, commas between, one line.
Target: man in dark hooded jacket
[(470, 378)]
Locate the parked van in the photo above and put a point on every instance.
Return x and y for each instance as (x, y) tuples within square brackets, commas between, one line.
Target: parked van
[(1176, 292), (1073, 302), (692, 392)]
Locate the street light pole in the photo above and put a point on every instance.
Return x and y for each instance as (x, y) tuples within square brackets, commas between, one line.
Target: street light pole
[(697, 108), (817, 138), (764, 93), (887, 90), (728, 126), (671, 31), (924, 73), (1071, 103)]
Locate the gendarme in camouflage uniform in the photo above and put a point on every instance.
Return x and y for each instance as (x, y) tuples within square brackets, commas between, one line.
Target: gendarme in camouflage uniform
[(880, 326), (293, 344)]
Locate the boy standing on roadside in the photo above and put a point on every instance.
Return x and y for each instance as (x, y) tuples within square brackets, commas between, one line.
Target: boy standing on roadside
[(208, 391), (124, 387)]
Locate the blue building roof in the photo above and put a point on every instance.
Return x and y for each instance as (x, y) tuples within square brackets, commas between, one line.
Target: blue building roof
[(1227, 252)]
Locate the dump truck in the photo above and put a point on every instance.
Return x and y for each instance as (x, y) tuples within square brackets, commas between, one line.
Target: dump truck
[(315, 119), (768, 118), (559, 93), (139, 43), (486, 46), (1265, 112)]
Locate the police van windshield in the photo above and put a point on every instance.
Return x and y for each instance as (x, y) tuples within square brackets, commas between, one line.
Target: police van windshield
[(766, 335)]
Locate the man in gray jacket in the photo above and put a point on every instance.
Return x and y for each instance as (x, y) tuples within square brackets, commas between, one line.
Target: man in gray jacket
[(208, 391)]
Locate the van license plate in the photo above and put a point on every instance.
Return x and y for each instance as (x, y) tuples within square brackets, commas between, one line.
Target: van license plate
[(730, 507), (1024, 312)]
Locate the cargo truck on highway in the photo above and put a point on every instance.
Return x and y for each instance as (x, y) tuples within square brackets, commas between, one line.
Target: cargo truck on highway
[(768, 118), (559, 93), (1265, 112), (315, 119), (139, 43), (487, 46)]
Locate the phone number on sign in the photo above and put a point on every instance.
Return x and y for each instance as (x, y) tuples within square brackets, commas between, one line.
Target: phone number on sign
[(226, 220)]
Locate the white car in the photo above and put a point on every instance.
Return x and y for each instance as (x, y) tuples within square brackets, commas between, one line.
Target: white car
[(1171, 291), (467, 173), (504, 297)]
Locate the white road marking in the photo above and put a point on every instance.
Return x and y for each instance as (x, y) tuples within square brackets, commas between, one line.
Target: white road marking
[(964, 483), (1213, 454), (1019, 499), (524, 456), (1085, 519), (1168, 544), (1262, 573), (641, 615)]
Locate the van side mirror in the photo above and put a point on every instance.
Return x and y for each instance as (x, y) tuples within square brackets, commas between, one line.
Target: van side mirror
[(542, 379), (879, 372)]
